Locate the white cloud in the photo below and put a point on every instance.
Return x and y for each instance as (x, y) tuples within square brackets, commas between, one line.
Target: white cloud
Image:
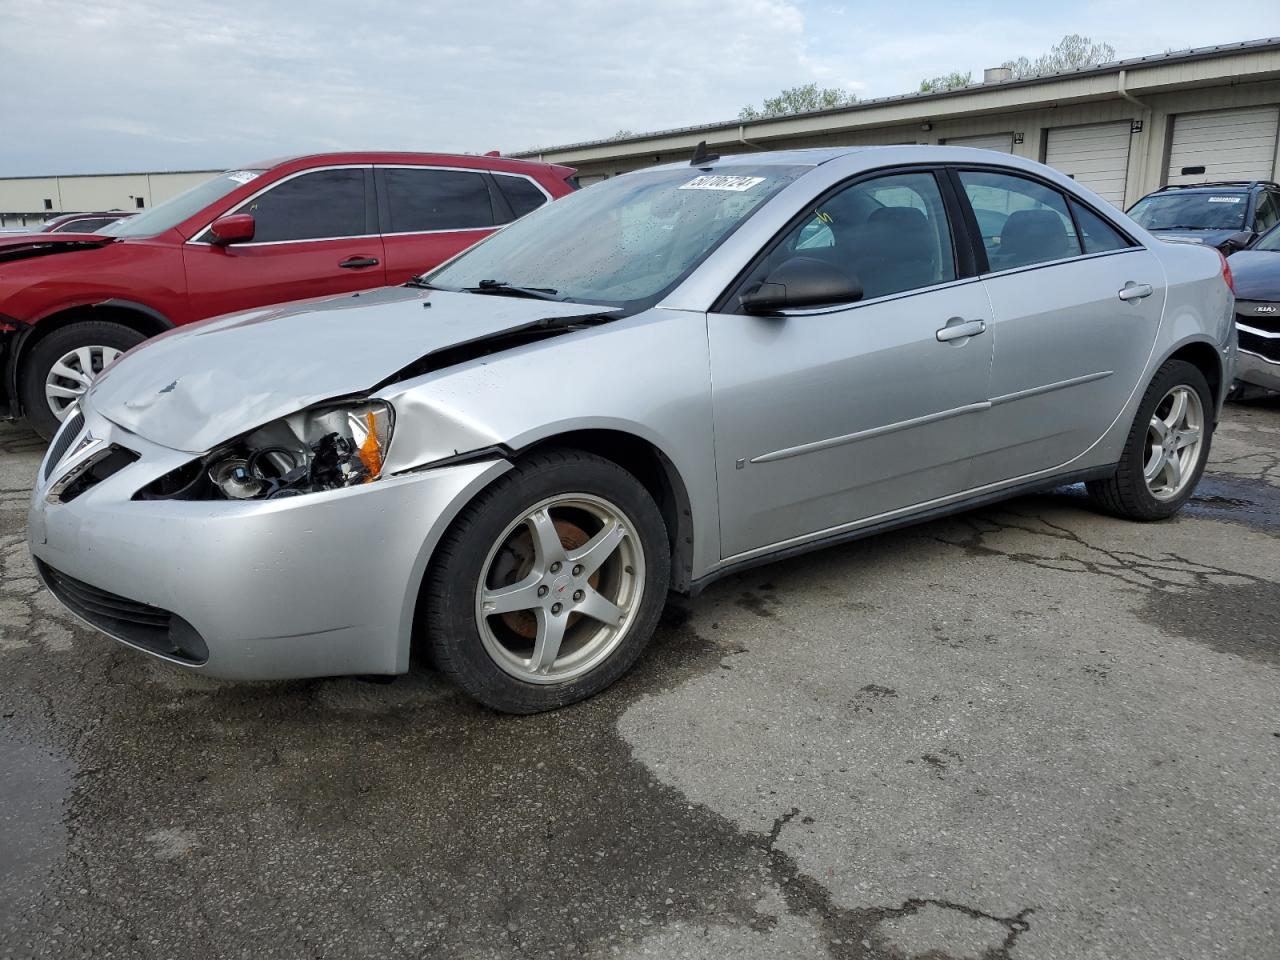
[(116, 84)]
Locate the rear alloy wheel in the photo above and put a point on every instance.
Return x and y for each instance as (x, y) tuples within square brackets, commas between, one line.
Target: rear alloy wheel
[(61, 366), (1166, 450), (549, 585)]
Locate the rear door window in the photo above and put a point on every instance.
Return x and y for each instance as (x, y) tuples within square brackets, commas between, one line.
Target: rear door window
[(421, 200), (1022, 222), (321, 205), (523, 196)]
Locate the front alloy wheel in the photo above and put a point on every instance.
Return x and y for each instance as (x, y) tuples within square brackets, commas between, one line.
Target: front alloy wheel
[(60, 366), (548, 585), (71, 374), (561, 588)]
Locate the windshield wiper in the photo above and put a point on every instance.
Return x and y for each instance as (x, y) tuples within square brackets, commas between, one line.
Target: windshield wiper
[(503, 289)]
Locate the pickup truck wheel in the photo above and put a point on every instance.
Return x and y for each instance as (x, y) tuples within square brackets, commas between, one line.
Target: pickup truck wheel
[(60, 367)]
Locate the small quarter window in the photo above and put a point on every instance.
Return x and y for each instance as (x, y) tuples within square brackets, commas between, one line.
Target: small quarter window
[(522, 195), (1096, 235)]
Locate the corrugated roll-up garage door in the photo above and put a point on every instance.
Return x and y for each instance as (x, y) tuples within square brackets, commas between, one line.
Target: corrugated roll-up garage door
[(1229, 144), (1097, 156), (988, 141)]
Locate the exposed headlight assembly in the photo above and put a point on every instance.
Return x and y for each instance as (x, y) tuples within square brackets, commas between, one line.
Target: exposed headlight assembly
[(324, 448)]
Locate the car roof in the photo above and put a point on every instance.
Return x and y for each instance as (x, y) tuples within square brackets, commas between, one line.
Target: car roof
[(484, 162), (869, 157), (1221, 186)]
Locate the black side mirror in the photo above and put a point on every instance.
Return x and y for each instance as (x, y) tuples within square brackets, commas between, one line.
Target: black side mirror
[(1237, 241), (801, 282)]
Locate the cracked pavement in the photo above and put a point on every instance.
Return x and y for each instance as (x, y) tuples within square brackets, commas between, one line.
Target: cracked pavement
[(1029, 731)]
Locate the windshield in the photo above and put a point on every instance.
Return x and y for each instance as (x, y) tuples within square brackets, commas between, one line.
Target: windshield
[(1191, 211), (621, 242), (173, 211)]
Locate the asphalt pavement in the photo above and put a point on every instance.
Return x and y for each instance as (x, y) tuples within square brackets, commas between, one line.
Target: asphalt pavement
[(1031, 731)]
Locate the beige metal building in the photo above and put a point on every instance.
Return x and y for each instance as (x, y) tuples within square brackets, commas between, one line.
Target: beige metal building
[(1124, 128), (26, 201)]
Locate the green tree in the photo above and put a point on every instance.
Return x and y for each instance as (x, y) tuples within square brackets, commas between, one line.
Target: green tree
[(1072, 52), (948, 81), (622, 135), (801, 99)]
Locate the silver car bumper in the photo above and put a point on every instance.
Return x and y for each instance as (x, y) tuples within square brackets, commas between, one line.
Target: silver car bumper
[(318, 585), (1257, 370)]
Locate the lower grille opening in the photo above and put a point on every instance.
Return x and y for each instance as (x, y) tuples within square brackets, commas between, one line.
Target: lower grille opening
[(141, 624), (1268, 347)]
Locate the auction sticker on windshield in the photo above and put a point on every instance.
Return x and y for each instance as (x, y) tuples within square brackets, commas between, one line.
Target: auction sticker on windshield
[(242, 176), (1224, 199), (722, 182)]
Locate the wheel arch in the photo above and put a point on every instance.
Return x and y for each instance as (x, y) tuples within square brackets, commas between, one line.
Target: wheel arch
[(1205, 357), (656, 472), (135, 316)]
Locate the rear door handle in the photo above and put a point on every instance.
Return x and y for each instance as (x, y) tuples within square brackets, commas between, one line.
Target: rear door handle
[(1135, 291), (957, 329), (356, 263)]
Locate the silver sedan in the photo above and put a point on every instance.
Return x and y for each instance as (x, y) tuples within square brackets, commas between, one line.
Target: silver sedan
[(667, 377)]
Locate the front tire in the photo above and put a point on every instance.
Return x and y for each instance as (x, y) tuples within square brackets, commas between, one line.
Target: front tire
[(548, 586), (60, 367), (1167, 448)]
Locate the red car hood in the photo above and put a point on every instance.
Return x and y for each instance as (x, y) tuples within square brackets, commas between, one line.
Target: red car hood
[(18, 246)]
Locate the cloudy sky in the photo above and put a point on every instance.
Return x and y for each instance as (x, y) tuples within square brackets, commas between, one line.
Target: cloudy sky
[(114, 85)]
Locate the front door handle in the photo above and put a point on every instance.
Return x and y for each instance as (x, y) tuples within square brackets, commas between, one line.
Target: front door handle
[(1135, 291), (357, 263), (957, 329)]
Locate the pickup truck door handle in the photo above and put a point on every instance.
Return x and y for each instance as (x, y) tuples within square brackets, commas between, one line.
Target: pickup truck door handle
[(958, 329), (357, 263), (1135, 291)]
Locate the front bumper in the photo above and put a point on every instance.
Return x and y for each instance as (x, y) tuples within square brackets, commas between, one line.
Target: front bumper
[(1255, 369), (1258, 362), (319, 585)]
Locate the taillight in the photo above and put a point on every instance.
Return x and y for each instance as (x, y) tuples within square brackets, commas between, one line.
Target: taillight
[(1226, 273)]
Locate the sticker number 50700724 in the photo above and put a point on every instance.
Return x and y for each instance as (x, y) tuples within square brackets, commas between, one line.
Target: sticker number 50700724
[(722, 182)]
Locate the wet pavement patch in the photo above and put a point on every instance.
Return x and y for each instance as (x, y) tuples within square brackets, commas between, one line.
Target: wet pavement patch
[(1253, 503), (1243, 619)]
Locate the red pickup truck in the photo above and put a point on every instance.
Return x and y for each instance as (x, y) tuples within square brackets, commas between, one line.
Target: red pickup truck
[(271, 232)]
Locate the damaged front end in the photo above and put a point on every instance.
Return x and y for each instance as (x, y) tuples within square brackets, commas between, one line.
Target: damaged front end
[(327, 447)]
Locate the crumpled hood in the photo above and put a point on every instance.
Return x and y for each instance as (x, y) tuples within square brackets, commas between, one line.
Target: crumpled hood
[(20, 246), (1256, 274), (200, 385)]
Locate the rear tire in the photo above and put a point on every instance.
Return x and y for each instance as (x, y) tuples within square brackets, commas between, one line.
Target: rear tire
[(1162, 462), (91, 343), (564, 531)]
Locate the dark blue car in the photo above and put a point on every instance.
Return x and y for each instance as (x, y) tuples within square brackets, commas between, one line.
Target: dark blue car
[(1228, 215)]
